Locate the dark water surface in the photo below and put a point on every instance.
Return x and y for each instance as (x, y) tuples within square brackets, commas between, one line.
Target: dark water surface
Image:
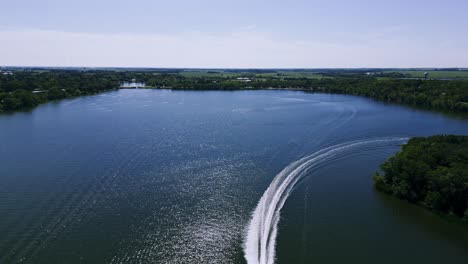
[(160, 176)]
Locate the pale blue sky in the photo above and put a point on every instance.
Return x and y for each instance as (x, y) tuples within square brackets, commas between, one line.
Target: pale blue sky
[(204, 33)]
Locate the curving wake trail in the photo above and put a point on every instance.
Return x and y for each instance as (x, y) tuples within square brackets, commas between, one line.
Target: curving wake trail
[(260, 241)]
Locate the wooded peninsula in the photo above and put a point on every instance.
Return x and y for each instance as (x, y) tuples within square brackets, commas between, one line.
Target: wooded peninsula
[(432, 172)]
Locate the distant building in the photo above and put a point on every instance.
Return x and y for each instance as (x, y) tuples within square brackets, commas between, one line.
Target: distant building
[(6, 72), (244, 79), (133, 85), (39, 91)]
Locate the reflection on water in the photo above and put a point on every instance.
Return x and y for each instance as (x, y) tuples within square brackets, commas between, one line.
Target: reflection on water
[(426, 221)]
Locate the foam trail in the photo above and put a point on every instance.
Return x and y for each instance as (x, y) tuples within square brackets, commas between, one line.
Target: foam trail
[(260, 241)]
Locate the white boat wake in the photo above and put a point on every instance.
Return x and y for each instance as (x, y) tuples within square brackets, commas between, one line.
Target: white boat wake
[(260, 241)]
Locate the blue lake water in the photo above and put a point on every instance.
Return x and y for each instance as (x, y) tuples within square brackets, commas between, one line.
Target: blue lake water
[(161, 176)]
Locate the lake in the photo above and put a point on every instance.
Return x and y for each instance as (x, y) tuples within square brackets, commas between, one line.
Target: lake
[(161, 176)]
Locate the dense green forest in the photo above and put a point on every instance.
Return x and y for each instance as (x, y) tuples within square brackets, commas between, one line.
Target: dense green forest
[(27, 88), (430, 171), (23, 90)]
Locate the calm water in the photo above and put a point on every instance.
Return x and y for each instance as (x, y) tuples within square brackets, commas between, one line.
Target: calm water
[(159, 176)]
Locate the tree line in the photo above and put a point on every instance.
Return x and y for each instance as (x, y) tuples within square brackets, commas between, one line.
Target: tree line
[(449, 95), (26, 89), (23, 90)]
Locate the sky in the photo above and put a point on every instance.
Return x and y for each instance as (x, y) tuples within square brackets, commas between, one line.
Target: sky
[(234, 34)]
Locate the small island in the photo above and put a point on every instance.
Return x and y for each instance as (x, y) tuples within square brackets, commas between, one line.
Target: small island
[(432, 172)]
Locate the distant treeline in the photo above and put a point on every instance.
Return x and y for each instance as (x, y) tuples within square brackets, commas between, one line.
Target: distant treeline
[(431, 94), (25, 89), (432, 172)]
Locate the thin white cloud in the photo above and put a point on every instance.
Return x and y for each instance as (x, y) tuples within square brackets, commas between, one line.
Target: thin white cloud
[(246, 49)]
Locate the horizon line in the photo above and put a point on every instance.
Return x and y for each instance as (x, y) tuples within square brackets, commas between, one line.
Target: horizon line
[(237, 68)]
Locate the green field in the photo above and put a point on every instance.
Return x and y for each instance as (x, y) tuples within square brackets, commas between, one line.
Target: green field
[(275, 74), (293, 74), (433, 73), (299, 74), (218, 74)]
